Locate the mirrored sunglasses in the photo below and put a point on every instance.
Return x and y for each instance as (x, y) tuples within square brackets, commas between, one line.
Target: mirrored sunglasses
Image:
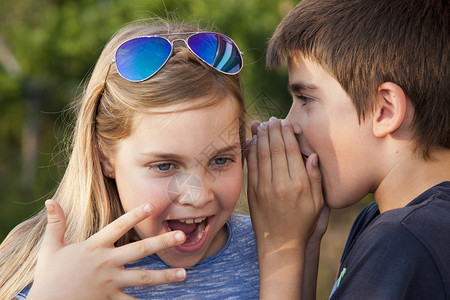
[(140, 58)]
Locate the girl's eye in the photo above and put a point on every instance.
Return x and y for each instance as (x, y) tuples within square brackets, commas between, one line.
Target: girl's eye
[(162, 167), (221, 162)]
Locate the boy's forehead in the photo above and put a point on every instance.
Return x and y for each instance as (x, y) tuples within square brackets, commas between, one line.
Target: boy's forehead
[(304, 69), (308, 70), (298, 58)]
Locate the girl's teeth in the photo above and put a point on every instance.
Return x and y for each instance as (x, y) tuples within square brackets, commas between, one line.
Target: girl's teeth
[(190, 221), (201, 231)]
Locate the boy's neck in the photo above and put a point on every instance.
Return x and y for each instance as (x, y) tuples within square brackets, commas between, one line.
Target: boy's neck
[(409, 177)]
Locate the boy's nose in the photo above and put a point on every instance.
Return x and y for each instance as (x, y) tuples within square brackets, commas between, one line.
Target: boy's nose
[(294, 119)]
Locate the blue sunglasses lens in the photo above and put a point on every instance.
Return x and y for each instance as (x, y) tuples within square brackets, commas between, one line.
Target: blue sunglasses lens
[(217, 50), (140, 58)]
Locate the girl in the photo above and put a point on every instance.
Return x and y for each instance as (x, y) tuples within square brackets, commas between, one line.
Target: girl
[(157, 151)]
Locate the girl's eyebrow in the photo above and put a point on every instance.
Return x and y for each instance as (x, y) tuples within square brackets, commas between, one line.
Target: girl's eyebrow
[(164, 155), (229, 148), (208, 150)]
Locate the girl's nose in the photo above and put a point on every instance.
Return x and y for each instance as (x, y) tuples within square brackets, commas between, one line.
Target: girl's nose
[(190, 189)]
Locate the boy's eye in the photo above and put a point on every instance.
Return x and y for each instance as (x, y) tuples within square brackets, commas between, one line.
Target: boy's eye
[(304, 99)]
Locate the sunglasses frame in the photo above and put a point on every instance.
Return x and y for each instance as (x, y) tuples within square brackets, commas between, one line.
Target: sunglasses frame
[(185, 40)]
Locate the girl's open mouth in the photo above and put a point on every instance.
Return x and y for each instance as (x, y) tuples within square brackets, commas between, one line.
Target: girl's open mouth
[(195, 229)]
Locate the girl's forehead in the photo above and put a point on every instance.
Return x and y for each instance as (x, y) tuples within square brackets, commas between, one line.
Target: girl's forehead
[(200, 113), (187, 131), (192, 104)]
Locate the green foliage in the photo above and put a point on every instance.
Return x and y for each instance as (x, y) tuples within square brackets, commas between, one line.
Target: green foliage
[(48, 47)]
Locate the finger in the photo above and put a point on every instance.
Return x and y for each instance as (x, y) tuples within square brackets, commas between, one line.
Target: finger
[(252, 167), (248, 143), (280, 173), (116, 229), (137, 250), (56, 226), (151, 277), (315, 179), (263, 155), (254, 127), (294, 158), (123, 296)]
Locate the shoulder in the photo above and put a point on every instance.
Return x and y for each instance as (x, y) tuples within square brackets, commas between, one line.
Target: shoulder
[(426, 219), (241, 226), (389, 262), (403, 251), (242, 221), (241, 235), (421, 227)]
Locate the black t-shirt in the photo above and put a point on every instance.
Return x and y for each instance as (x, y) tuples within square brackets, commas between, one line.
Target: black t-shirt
[(399, 254)]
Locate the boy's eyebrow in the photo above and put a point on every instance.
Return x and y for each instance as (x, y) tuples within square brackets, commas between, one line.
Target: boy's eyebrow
[(301, 87)]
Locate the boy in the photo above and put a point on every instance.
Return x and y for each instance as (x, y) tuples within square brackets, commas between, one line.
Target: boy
[(370, 87)]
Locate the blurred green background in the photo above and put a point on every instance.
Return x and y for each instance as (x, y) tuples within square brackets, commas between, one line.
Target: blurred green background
[(47, 49)]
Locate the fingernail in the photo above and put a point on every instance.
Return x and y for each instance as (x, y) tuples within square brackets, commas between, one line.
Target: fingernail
[(147, 208), (273, 120), (263, 126), (284, 122), (314, 160), (50, 207), (255, 139), (181, 273), (179, 237)]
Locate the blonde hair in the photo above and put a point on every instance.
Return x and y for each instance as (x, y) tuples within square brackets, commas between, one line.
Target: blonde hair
[(105, 115)]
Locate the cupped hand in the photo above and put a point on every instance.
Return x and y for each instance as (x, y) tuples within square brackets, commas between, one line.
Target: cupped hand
[(284, 193), (285, 200), (94, 268)]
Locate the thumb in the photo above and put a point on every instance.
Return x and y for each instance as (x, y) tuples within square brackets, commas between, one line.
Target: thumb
[(56, 225), (315, 179)]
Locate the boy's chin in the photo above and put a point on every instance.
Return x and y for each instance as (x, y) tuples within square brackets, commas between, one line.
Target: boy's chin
[(336, 203)]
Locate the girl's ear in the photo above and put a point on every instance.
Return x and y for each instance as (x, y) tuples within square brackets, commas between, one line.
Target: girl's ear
[(390, 109), (107, 167)]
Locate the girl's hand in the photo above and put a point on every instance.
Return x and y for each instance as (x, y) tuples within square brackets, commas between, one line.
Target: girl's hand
[(285, 199), (94, 269)]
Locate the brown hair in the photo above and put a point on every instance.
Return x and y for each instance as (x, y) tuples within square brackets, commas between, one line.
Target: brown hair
[(105, 114), (363, 43)]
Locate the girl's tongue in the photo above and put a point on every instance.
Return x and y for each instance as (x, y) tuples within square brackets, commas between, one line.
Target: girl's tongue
[(193, 231), (186, 228)]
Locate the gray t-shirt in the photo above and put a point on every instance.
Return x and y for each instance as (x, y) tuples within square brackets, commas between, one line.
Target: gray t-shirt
[(231, 273)]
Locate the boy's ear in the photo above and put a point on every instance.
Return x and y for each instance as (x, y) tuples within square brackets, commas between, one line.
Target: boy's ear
[(390, 109), (107, 167)]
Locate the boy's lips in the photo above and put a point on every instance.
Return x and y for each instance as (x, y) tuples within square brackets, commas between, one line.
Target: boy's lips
[(195, 229)]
